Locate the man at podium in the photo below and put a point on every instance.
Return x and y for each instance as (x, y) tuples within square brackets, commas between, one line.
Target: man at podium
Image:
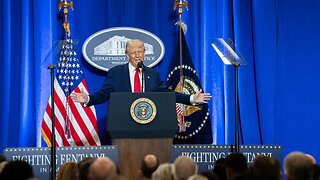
[(135, 77), (134, 140)]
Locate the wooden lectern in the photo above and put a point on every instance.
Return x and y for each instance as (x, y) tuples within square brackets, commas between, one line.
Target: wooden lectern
[(140, 124)]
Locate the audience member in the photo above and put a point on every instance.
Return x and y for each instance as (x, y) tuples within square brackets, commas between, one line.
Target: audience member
[(149, 164), (2, 158), (246, 176), (298, 166), (220, 168), (236, 164), (197, 177), (210, 175), (184, 167), (3, 162), (83, 168), (163, 172), (17, 170), (68, 171), (316, 172), (313, 160), (102, 169), (2, 165), (266, 168)]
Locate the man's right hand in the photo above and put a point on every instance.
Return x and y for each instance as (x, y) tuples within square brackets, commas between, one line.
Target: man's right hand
[(79, 97)]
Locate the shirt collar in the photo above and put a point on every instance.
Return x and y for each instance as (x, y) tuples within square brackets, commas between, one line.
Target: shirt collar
[(132, 68)]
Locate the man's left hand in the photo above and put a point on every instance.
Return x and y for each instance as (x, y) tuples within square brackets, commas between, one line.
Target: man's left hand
[(201, 97)]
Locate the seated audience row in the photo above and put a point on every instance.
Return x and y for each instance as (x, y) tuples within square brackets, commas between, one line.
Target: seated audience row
[(297, 166)]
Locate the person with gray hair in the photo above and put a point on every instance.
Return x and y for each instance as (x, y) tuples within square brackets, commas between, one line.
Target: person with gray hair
[(184, 167), (297, 166)]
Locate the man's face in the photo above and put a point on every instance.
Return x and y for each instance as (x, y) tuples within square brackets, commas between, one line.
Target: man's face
[(135, 53)]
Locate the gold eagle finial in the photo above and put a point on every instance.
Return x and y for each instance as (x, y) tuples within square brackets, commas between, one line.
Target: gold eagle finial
[(65, 4)]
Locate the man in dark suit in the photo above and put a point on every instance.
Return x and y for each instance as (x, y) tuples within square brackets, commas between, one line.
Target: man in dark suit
[(128, 78)]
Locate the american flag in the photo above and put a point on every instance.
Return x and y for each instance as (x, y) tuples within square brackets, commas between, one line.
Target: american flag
[(75, 125)]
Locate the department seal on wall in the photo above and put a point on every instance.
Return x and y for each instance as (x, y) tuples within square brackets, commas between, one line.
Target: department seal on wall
[(106, 48)]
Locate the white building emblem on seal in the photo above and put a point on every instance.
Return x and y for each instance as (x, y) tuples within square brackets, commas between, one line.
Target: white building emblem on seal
[(116, 46)]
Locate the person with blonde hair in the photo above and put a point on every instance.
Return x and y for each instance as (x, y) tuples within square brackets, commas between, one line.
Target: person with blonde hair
[(163, 172), (197, 177)]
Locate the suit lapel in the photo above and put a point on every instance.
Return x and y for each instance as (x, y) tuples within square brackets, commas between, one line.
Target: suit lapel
[(147, 79), (126, 78)]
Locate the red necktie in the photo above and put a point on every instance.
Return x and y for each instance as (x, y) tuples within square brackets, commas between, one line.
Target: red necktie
[(137, 85)]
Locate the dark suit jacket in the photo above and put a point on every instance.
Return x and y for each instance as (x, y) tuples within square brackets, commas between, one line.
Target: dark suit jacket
[(118, 80)]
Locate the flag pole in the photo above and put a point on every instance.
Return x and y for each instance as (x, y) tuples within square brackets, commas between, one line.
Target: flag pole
[(53, 136), (65, 25), (182, 26)]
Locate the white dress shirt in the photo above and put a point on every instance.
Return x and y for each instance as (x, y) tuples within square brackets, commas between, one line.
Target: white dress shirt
[(132, 72)]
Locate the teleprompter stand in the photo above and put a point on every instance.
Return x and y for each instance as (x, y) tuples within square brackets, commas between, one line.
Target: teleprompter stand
[(226, 51)]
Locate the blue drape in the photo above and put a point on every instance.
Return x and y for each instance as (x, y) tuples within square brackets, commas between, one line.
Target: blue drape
[(278, 88)]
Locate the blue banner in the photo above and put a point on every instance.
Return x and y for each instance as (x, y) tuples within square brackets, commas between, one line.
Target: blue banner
[(39, 158), (207, 155)]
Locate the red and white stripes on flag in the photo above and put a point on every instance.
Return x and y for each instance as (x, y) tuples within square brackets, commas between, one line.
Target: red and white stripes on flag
[(75, 125), (83, 120), (180, 116)]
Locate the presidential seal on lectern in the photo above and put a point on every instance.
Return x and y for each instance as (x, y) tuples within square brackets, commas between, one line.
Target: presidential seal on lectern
[(143, 110)]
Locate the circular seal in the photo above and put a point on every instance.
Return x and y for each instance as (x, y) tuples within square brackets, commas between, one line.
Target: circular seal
[(143, 110), (106, 48)]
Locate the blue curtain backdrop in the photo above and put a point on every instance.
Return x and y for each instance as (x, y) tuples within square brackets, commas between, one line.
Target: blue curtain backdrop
[(278, 88)]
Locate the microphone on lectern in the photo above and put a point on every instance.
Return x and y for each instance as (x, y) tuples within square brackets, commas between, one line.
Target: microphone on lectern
[(140, 65)]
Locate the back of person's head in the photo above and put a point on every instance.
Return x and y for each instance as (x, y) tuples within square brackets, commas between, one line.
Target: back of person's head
[(102, 169), (197, 177), (17, 170), (210, 175), (184, 167), (83, 168), (163, 172), (68, 171), (313, 160), (316, 172), (265, 168), (220, 168), (298, 166), (2, 165), (2, 158), (236, 164), (246, 176), (149, 164)]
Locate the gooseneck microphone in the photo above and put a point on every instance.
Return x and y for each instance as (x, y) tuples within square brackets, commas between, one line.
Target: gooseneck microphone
[(140, 65)]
